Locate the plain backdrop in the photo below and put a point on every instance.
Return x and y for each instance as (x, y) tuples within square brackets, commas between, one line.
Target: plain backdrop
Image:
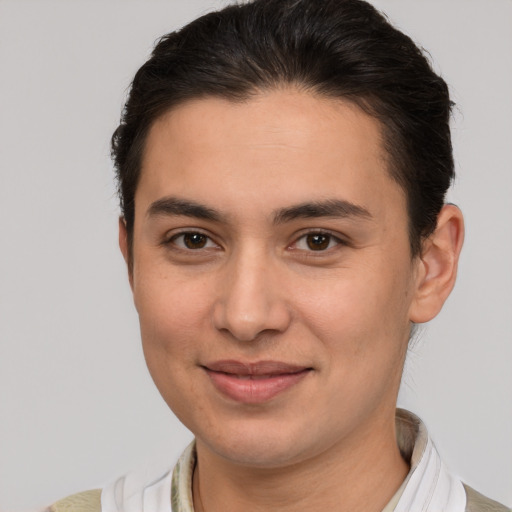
[(77, 405)]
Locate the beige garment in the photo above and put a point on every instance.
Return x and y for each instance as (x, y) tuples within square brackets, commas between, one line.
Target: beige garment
[(479, 503), (88, 501)]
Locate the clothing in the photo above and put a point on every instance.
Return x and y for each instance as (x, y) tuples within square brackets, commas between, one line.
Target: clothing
[(88, 501), (429, 487)]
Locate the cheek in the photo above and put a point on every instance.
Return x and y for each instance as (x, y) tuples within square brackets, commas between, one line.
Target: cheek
[(359, 313), (172, 312), (173, 316)]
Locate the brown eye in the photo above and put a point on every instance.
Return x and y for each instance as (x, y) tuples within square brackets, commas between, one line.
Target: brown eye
[(194, 240), (192, 243), (318, 241)]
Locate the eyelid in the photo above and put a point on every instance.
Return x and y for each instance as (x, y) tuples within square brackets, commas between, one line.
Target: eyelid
[(171, 236), (334, 236)]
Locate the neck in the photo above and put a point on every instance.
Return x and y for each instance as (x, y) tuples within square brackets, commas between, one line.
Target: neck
[(339, 479)]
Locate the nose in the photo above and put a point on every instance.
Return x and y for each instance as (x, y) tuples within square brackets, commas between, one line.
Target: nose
[(251, 300)]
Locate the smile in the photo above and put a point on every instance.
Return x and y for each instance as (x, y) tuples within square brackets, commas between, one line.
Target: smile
[(254, 383)]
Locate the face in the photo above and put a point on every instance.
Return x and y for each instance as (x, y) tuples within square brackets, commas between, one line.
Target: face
[(272, 275)]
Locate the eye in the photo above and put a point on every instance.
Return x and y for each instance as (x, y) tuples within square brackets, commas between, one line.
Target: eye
[(192, 240), (316, 242)]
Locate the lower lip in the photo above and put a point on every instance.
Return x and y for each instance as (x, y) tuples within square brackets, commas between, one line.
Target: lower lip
[(256, 390)]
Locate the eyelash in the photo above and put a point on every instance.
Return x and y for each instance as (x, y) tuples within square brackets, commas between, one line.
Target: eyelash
[(332, 241), (172, 241), (319, 233)]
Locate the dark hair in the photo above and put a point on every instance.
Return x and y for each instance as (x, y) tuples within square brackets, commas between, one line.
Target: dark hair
[(335, 48)]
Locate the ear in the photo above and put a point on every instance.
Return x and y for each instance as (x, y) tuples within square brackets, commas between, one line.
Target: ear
[(437, 265), (125, 249)]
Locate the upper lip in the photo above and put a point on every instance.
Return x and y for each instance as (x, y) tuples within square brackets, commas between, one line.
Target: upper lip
[(257, 368)]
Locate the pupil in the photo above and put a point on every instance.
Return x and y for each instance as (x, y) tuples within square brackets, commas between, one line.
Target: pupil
[(318, 242), (194, 240)]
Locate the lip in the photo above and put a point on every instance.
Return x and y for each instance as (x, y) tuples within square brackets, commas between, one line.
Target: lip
[(254, 383)]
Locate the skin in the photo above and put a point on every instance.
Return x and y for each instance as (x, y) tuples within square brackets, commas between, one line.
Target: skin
[(252, 286)]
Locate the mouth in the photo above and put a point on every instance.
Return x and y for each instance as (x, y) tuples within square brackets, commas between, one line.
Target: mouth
[(254, 383)]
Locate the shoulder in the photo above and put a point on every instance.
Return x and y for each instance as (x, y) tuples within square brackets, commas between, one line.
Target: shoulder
[(477, 502), (88, 501)]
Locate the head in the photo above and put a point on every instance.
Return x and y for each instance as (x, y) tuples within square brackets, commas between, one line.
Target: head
[(282, 168)]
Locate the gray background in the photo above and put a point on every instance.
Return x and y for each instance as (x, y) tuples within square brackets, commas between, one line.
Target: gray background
[(77, 405)]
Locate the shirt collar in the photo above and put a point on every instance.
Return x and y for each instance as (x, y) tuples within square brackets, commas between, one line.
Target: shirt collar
[(429, 486)]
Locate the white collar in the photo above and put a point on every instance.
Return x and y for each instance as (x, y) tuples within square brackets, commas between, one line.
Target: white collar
[(430, 487)]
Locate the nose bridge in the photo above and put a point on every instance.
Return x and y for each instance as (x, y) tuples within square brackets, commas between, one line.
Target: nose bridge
[(250, 298)]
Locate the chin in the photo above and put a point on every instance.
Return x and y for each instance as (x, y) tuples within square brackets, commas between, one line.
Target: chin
[(260, 446)]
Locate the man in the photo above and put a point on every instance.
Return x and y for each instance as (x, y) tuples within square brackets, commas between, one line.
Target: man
[(282, 171)]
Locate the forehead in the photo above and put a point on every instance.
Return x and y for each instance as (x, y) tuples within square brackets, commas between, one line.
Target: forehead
[(277, 147)]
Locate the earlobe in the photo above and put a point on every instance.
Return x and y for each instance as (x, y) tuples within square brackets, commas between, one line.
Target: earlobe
[(438, 264), (125, 249)]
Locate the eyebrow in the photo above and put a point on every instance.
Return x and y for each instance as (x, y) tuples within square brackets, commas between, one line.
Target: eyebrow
[(174, 206), (330, 208)]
